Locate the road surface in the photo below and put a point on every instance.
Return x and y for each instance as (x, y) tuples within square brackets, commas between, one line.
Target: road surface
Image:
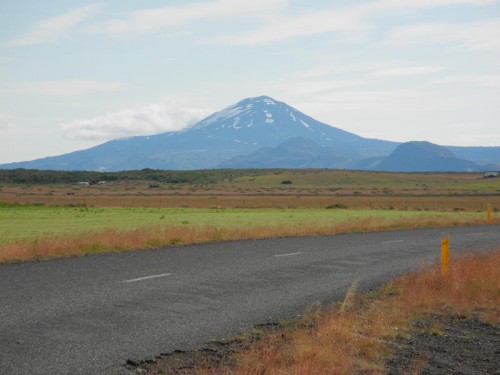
[(89, 315)]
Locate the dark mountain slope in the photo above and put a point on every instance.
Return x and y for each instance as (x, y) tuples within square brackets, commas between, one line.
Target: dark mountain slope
[(424, 157), (293, 153)]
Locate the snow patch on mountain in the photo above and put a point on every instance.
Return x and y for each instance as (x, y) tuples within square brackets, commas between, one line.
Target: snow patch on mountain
[(236, 123), (305, 124), (233, 111)]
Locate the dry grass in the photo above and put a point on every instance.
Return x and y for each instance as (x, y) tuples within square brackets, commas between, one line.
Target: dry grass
[(110, 240), (473, 285), (352, 336), (258, 200)]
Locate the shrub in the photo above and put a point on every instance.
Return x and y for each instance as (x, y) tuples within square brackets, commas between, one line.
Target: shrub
[(336, 206)]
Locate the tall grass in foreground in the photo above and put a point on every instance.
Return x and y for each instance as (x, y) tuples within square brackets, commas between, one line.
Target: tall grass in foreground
[(352, 336), (156, 236)]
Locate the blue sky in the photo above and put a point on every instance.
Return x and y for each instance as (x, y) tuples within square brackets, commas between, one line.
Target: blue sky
[(77, 73)]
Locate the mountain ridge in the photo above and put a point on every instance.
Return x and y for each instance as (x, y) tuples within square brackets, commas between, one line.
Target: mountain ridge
[(237, 132)]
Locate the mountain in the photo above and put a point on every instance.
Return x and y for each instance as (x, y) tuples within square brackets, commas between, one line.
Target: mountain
[(424, 156), (293, 153), (481, 155), (262, 132), (240, 129)]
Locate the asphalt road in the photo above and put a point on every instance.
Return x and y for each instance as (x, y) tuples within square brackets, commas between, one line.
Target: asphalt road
[(89, 315)]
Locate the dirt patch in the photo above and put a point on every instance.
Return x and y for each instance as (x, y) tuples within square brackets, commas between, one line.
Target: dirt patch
[(186, 362), (448, 345)]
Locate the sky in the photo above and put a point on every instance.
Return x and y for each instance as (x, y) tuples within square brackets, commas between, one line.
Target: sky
[(74, 74)]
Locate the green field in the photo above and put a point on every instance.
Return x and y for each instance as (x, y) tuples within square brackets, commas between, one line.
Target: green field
[(19, 222), (45, 214)]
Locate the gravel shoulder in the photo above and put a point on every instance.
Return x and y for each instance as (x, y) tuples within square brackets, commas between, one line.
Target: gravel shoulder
[(448, 345), (442, 344)]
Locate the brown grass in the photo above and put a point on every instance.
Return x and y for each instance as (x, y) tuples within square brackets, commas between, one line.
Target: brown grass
[(352, 336), (110, 240), (473, 285), (255, 200)]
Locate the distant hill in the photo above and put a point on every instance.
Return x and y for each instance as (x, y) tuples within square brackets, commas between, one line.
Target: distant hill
[(425, 156), (261, 133), (481, 155), (304, 153), (293, 153)]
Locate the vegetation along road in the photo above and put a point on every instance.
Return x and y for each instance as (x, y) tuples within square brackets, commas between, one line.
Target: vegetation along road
[(89, 315)]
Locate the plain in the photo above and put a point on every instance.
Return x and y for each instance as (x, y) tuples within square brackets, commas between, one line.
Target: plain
[(78, 213)]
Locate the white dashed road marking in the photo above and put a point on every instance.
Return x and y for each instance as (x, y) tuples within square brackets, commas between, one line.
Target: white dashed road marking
[(395, 241), (287, 255), (146, 278)]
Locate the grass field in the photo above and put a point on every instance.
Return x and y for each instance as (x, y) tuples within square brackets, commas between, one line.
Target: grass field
[(416, 203), (273, 189), (33, 222), (181, 207), (28, 232)]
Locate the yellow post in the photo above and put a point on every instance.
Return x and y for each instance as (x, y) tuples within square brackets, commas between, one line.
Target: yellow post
[(488, 214), (445, 255)]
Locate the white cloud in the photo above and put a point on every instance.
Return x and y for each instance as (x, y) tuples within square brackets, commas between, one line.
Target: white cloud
[(405, 71), (342, 77), (332, 69), (467, 134), (157, 19), (54, 28), (481, 80), (167, 115), (396, 108), (67, 88), (295, 26), (398, 115), (340, 19), (473, 36), (4, 59), (308, 87), (423, 33), (401, 4), (5, 121), (350, 19), (484, 35)]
